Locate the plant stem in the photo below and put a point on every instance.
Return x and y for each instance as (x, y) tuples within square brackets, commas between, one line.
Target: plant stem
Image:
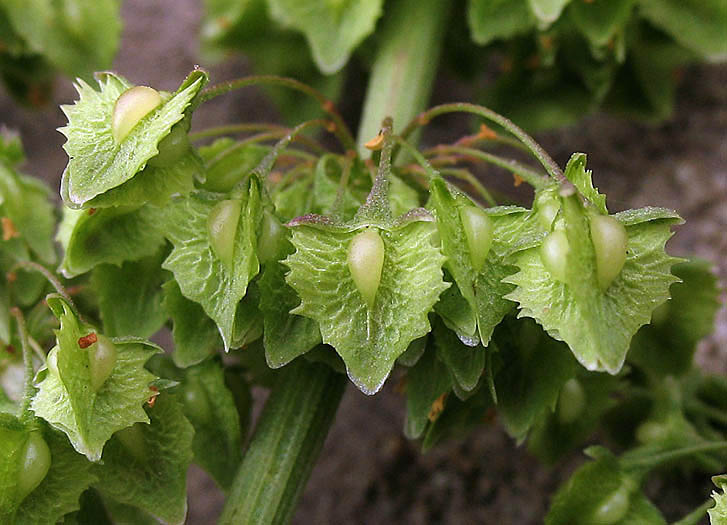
[(286, 444), (28, 388), (536, 180), (462, 107), (654, 460), (339, 129), (403, 73), (695, 517)]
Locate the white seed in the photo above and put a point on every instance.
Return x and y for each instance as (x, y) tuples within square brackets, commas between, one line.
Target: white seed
[(132, 106), (554, 254), (365, 261), (609, 242), (478, 230)]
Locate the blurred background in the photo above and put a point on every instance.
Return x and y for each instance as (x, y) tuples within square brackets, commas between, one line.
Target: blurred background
[(368, 472)]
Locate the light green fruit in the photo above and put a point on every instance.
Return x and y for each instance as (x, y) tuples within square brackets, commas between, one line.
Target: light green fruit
[(571, 402), (609, 242), (222, 229), (613, 508), (196, 402), (133, 440), (101, 361), (365, 261), (554, 254), (271, 238), (132, 106), (651, 431), (478, 230), (51, 361), (172, 147), (35, 463), (546, 214)]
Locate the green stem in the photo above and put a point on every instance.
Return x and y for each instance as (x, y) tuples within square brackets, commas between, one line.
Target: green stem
[(462, 107), (695, 517), (403, 73), (286, 444), (339, 129), (536, 180), (655, 460), (28, 388), (466, 176)]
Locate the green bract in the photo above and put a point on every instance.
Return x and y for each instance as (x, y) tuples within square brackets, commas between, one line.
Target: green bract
[(67, 399), (102, 154)]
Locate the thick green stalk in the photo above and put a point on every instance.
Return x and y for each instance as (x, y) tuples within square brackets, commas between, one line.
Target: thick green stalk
[(286, 444), (406, 62)]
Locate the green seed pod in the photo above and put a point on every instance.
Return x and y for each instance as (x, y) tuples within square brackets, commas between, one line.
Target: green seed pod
[(196, 402), (270, 242), (613, 508), (478, 230), (101, 361), (172, 147), (571, 402), (650, 432), (365, 261), (133, 440), (609, 241), (132, 106), (554, 254), (222, 229), (35, 463)]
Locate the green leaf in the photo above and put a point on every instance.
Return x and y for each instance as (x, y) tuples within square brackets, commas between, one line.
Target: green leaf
[(153, 477), (285, 335), (368, 339), (26, 202), (598, 326), (217, 436), (130, 297), (426, 382), (457, 313), (196, 336), (109, 235), (333, 29), (201, 275), (696, 24), (11, 147), (718, 513), (584, 497), (575, 171), (66, 400), (667, 345), (459, 418), (75, 36), (484, 290), (600, 20), (97, 163), (154, 184), (464, 362), (534, 368), (547, 11), (498, 19)]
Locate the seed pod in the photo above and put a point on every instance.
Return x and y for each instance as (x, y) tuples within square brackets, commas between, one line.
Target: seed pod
[(651, 431), (478, 230), (35, 463), (609, 242), (222, 229), (133, 440), (613, 508), (271, 237), (101, 361), (196, 402), (554, 254), (172, 147), (365, 261), (132, 106), (571, 402)]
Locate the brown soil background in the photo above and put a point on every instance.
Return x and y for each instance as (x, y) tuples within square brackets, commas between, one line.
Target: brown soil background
[(368, 473)]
